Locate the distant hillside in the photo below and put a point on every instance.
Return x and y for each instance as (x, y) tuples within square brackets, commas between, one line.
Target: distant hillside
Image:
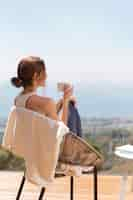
[(94, 100)]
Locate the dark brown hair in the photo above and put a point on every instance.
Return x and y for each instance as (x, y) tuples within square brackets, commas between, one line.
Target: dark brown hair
[(27, 67)]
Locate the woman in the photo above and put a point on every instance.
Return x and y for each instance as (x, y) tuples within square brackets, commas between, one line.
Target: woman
[(31, 74)]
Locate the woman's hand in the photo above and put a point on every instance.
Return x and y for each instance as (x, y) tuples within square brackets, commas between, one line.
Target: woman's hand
[(73, 100), (68, 92)]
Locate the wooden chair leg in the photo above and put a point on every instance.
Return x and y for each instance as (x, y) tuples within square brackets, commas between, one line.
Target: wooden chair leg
[(95, 184), (42, 193), (71, 187), (20, 188)]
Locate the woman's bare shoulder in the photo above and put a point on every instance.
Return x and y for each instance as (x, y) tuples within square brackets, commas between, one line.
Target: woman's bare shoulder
[(48, 106), (43, 101), (45, 105)]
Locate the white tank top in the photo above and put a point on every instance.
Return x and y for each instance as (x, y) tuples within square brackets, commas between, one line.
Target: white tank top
[(20, 100)]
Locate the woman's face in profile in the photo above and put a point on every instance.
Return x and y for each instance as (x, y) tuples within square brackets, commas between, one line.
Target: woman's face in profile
[(41, 79)]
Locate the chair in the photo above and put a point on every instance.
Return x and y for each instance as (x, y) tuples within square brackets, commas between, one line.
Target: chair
[(42, 192), (67, 157), (74, 151)]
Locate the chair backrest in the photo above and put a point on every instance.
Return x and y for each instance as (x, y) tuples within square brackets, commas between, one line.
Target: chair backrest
[(23, 124)]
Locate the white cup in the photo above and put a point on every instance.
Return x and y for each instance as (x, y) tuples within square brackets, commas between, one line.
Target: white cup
[(62, 85)]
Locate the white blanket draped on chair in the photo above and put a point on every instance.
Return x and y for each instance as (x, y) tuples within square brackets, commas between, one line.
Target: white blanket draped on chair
[(37, 139)]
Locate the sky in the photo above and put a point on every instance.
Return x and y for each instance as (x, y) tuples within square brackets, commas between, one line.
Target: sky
[(79, 40)]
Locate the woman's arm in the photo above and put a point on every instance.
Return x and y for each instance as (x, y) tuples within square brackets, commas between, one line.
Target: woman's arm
[(53, 108), (64, 116), (48, 107), (59, 105), (66, 98)]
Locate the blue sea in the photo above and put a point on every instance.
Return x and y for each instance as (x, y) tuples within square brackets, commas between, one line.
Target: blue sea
[(93, 100)]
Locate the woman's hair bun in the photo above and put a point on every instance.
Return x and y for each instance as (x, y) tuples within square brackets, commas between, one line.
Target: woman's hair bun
[(16, 82)]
